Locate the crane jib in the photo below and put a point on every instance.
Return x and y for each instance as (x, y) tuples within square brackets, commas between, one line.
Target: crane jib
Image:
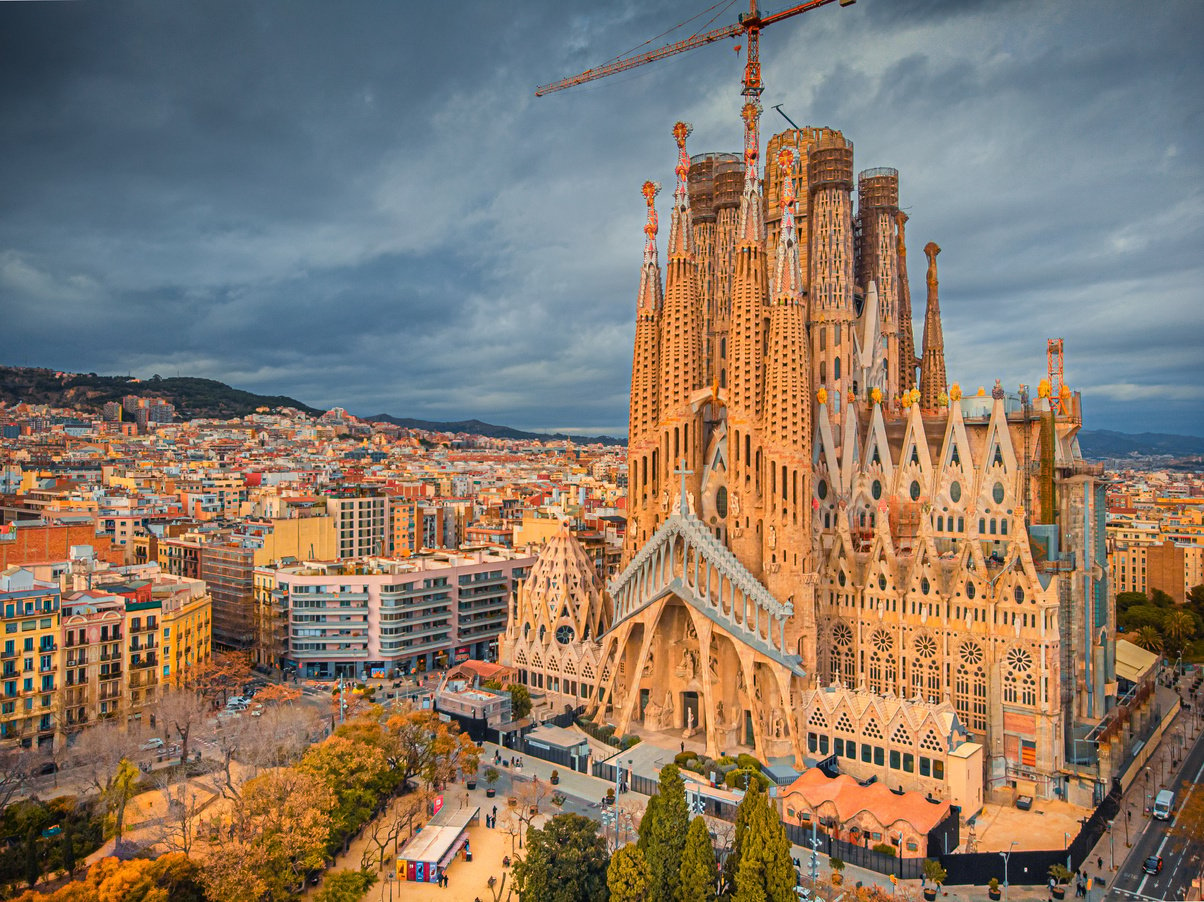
[(749, 24)]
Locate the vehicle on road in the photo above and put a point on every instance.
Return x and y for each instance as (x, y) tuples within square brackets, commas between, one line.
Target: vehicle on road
[(1164, 804), (152, 745), (1152, 865)]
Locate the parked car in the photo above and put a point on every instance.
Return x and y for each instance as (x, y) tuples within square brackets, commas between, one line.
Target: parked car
[(153, 744)]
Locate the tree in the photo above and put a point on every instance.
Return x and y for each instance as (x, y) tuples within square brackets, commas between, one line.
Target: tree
[(1179, 627), (345, 886), (420, 744), (1147, 637), (663, 833), (357, 773), (628, 875), (699, 871), (179, 713), (16, 772), (765, 872), (934, 872), (531, 797), (99, 750), (221, 676), (278, 833), (744, 813), (566, 861), (185, 803), (121, 789)]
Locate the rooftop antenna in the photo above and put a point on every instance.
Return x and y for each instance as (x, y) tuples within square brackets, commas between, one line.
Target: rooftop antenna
[(778, 107)]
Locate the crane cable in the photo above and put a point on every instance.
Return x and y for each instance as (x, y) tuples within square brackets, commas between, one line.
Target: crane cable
[(725, 7)]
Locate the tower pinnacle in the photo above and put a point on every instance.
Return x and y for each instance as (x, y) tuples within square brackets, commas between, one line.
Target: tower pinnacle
[(650, 280), (752, 223), (907, 342), (787, 275), (680, 231), (932, 366)]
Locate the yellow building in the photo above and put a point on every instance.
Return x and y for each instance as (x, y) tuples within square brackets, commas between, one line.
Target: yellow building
[(186, 626), (31, 657)]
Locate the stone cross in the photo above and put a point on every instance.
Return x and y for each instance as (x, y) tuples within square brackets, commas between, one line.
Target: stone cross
[(683, 473)]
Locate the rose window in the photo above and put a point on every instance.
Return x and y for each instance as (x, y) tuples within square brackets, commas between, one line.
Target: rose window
[(925, 646), (1019, 660), (971, 653)]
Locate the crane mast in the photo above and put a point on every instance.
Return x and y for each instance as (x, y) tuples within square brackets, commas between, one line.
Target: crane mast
[(749, 24)]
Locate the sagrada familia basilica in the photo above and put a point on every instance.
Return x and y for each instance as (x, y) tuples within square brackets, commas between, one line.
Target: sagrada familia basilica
[(828, 554)]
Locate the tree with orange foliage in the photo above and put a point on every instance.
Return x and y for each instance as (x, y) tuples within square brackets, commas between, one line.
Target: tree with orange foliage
[(279, 833), (423, 745), (218, 678), (170, 878)]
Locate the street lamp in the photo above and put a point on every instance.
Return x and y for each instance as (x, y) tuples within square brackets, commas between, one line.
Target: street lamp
[(1066, 847), (1111, 849), (1005, 856)]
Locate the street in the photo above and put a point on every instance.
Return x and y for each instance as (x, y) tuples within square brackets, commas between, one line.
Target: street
[(1182, 855)]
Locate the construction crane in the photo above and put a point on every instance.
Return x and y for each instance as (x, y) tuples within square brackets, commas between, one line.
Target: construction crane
[(749, 25)]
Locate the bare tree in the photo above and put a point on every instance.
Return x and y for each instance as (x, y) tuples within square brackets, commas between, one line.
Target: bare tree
[(388, 830), (180, 713), (17, 769), (182, 821), (98, 751), (531, 798), (247, 745)]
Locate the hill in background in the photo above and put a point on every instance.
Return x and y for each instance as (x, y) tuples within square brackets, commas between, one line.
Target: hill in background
[(193, 398), (1101, 443), (489, 430)]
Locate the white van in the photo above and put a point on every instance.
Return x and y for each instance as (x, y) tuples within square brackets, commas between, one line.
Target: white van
[(1164, 804)]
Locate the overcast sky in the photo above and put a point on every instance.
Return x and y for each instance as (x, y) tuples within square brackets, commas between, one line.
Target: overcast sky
[(363, 204)]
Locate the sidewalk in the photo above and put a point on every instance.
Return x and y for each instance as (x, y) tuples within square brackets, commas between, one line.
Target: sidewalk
[(572, 783)]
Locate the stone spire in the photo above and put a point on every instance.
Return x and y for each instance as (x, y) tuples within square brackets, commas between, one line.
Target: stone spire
[(752, 216), (907, 341), (680, 233), (932, 366), (682, 362), (746, 365), (645, 383)]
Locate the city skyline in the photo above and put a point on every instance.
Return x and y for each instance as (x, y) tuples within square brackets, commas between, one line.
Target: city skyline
[(372, 210)]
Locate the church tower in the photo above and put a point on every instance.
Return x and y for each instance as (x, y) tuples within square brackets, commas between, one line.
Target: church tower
[(907, 341), (682, 363), (644, 421), (745, 371), (786, 429), (877, 204), (830, 179)]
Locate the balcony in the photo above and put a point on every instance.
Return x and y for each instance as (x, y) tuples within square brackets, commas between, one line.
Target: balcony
[(149, 661)]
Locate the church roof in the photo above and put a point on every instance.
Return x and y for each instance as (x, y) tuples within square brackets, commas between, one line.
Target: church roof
[(851, 799)]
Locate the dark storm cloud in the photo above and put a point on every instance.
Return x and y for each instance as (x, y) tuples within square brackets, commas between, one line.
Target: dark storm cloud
[(364, 205)]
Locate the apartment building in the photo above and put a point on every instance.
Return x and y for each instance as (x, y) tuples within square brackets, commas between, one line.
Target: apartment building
[(380, 615), (123, 640), (31, 657), (359, 522)]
